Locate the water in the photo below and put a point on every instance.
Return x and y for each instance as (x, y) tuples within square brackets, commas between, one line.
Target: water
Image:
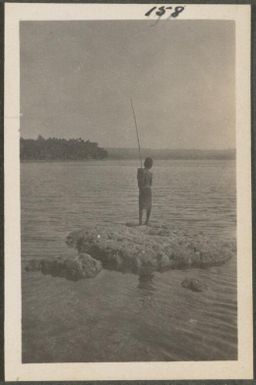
[(116, 317)]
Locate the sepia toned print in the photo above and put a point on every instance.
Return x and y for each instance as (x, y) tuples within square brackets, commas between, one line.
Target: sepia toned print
[(132, 156)]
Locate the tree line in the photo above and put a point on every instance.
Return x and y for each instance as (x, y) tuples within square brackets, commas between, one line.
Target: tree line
[(60, 149)]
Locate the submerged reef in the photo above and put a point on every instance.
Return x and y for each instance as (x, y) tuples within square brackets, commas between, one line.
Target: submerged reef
[(139, 250), (73, 269), (193, 284)]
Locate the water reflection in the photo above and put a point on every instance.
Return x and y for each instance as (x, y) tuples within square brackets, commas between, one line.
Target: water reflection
[(147, 287), (146, 282)]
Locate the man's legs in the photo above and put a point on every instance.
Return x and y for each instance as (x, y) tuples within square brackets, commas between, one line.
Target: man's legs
[(148, 215), (140, 216)]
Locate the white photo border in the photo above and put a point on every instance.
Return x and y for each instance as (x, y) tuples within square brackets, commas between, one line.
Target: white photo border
[(15, 370)]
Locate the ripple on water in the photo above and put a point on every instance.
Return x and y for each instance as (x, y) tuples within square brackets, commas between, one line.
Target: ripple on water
[(117, 317)]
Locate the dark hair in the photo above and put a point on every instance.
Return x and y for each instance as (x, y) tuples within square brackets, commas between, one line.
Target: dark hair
[(148, 162)]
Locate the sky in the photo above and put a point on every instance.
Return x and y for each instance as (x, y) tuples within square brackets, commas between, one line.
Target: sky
[(77, 78)]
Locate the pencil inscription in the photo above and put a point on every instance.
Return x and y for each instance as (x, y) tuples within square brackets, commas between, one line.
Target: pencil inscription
[(160, 11)]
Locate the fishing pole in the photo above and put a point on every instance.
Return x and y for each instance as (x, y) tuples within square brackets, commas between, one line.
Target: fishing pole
[(137, 132)]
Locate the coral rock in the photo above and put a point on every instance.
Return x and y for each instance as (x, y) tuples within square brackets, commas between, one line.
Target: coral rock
[(74, 268), (193, 284), (145, 249)]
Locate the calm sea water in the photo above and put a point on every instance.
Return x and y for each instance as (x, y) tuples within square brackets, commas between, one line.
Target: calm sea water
[(114, 317)]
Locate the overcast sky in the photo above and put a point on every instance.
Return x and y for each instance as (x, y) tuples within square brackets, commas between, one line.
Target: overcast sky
[(77, 78)]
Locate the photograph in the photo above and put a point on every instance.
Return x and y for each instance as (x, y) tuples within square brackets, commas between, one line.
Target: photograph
[(128, 191)]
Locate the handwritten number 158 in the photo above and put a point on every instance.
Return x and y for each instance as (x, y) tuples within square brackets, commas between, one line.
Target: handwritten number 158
[(162, 10)]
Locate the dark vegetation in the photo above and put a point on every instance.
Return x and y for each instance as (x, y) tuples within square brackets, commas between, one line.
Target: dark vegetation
[(60, 149), (78, 149)]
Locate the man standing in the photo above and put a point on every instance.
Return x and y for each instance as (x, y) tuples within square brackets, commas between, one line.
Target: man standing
[(144, 177)]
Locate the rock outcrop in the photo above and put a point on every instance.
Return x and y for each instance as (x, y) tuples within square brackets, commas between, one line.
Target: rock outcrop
[(74, 268), (193, 284), (143, 250)]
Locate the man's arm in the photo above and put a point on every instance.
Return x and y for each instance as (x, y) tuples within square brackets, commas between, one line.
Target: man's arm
[(140, 177)]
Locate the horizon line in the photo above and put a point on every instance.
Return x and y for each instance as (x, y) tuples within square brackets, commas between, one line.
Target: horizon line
[(172, 149), (142, 148)]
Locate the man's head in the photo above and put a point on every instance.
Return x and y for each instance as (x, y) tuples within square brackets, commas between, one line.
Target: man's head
[(148, 162)]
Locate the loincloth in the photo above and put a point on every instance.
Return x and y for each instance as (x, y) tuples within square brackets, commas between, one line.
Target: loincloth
[(145, 198)]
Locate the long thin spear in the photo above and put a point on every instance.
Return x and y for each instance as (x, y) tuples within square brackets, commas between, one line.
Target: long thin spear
[(137, 132)]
